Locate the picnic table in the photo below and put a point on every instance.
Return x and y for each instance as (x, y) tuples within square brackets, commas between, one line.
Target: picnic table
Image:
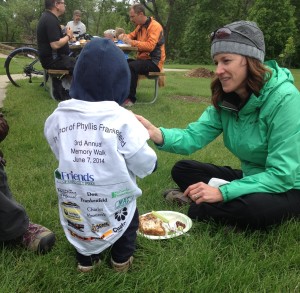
[(125, 48), (76, 48)]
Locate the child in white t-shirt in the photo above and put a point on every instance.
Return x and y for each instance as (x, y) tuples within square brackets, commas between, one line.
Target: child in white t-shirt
[(101, 148)]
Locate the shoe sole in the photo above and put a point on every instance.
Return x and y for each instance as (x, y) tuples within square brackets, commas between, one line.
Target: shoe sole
[(86, 269), (46, 244), (165, 193), (180, 200)]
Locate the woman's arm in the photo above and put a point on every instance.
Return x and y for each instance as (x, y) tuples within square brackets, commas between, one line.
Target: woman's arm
[(154, 132)]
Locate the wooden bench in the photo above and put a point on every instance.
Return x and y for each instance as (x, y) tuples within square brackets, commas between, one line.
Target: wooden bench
[(57, 72), (154, 76), (60, 73)]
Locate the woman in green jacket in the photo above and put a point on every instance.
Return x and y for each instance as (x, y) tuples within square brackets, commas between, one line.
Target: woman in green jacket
[(256, 107)]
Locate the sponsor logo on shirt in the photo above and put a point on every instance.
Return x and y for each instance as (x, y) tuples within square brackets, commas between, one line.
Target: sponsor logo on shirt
[(66, 193), (118, 193), (105, 235), (95, 212), (92, 194), (74, 178), (70, 204), (121, 214), (119, 228), (72, 214), (79, 227), (94, 200), (97, 227), (123, 202)]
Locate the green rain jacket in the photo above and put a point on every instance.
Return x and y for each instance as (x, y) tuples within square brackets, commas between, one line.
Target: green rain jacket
[(264, 135)]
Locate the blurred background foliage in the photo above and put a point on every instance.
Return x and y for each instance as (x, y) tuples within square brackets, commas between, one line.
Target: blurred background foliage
[(187, 23)]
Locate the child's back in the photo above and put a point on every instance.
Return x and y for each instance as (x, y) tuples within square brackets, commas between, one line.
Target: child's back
[(101, 148)]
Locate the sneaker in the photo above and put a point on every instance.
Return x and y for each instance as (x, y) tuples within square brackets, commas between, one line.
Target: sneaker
[(127, 103), (86, 269), (122, 267), (38, 238), (175, 195)]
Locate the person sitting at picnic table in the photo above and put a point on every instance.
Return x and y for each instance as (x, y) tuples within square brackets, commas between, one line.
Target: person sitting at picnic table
[(53, 46), (76, 25), (255, 106), (118, 32), (148, 37), (110, 34)]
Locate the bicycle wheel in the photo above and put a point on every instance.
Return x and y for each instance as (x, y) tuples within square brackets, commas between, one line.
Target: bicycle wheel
[(23, 63)]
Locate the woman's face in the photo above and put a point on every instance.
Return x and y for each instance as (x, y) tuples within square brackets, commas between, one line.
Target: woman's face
[(232, 72)]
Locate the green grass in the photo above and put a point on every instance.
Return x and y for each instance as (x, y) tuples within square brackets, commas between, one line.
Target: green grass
[(19, 62), (209, 259)]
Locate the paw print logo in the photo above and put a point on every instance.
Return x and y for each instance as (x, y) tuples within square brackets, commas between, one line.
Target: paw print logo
[(121, 214)]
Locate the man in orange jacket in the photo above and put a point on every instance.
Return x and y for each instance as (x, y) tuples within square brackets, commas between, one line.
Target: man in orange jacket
[(148, 37)]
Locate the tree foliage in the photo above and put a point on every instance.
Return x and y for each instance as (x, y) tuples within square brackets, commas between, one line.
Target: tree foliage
[(187, 23), (277, 27)]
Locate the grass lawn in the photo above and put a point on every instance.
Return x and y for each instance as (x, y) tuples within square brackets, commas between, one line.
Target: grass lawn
[(209, 258)]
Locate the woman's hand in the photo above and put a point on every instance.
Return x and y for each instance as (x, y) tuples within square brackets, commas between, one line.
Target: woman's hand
[(154, 132), (201, 192)]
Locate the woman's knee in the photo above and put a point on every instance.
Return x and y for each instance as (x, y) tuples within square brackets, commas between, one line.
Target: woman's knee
[(181, 167)]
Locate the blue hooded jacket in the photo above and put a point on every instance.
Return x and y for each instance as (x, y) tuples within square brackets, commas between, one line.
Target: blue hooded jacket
[(101, 73)]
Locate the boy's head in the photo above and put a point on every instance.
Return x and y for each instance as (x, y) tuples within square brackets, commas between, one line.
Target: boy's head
[(101, 73), (119, 31)]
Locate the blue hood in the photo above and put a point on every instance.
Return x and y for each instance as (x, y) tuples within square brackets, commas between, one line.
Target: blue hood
[(101, 73)]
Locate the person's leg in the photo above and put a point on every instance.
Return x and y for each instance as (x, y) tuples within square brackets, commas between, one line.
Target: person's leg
[(87, 263), (187, 172), (15, 226), (254, 211), (13, 218), (139, 67), (61, 86), (123, 249), (63, 62)]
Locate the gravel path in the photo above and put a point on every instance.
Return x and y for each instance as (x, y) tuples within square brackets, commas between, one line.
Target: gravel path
[(4, 81)]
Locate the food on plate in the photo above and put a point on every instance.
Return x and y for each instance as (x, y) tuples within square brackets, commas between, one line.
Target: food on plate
[(180, 225), (149, 224), (157, 215)]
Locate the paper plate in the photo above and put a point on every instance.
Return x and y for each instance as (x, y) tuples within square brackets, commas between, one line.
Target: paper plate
[(172, 217)]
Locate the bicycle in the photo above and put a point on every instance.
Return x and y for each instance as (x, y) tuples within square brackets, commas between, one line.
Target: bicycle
[(25, 61)]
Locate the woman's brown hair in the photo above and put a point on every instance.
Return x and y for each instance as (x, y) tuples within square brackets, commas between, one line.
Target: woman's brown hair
[(258, 75)]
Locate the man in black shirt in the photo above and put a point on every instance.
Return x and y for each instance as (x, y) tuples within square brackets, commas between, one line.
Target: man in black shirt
[(53, 45)]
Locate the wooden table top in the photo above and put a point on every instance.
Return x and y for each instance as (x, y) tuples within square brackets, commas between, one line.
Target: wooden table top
[(74, 47)]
